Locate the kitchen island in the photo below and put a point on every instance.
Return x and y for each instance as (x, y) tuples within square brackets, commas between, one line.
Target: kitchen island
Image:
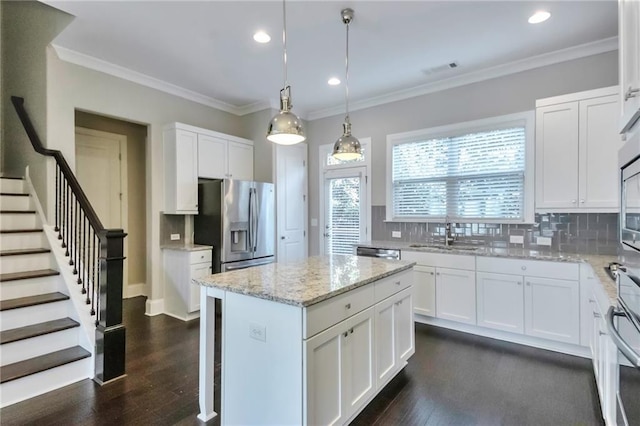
[(308, 342)]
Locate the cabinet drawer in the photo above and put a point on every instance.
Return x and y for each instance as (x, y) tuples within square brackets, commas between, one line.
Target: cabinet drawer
[(323, 315), (391, 285), (456, 261), (531, 268), (200, 256)]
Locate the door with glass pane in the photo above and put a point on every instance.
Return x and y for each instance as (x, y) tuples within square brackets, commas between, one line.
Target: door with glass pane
[(345, 210)]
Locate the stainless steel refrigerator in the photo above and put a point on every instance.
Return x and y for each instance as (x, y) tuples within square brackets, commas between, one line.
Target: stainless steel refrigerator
[(238, 219)]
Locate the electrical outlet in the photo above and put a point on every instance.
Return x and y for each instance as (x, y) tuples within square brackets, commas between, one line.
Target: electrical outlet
[(543, 241), (175, 237), (516, 239), (258, 332), (396, 234)]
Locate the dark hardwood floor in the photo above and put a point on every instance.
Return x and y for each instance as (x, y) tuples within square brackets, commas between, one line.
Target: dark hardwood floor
[(453, 379)]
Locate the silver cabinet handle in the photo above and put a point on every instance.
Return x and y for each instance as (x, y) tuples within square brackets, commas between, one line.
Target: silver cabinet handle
[(597, 315), (345, 334), (602, 333), (519, 282), (627, 351), (282, 237), (348, 306), (630, 93), (592, 300), (431, 273), (528, 284), (351, 331), (573, 201), (524, 268), (582, 201), (437, 273), (397, 282)]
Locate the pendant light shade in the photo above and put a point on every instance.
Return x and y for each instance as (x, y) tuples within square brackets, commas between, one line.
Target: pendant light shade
[(347, 147), (285, 128)]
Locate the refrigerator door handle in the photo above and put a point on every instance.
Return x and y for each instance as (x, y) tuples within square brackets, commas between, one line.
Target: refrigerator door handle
[(255, 211), (250, 220)]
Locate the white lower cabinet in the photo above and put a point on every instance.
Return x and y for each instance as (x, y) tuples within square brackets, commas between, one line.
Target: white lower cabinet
[(182, 297), (395, 337), (500, 301), (456, 295), (424, 288)]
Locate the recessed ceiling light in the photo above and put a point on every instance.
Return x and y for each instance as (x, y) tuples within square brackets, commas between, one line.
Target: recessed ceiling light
[(333, 81), (262, 37), (539, 16)]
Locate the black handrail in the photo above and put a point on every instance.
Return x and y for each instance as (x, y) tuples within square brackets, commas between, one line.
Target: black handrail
[(86, 243)]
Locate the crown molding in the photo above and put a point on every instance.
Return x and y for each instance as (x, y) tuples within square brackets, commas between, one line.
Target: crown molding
[(97, 64), (575, 52)]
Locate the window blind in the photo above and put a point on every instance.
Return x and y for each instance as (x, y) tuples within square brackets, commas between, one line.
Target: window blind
[(343, 215), (471, 176)]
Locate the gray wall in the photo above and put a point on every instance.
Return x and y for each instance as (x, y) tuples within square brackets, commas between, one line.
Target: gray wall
[(504, 95), (27, 28), (255, 125)]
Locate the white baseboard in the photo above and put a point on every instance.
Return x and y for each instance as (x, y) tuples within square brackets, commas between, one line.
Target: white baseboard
[(188, 317), (134, 290), (154, 307), (520, 339)]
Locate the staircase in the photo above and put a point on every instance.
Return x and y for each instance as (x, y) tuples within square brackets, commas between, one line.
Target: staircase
[(40, 333)]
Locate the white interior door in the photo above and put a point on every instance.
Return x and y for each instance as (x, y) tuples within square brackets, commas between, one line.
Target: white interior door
[(345, 215), (291, 201), (102, 176)]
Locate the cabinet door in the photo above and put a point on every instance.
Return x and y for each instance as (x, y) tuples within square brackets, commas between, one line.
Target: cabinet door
[(456, 295), (359, 378), (500, 301), (404, 326), (557, 156), (240, 165), (552, 309), (193, 290), (598, 149), (629, 60), (385, 330), (186, 172), (212, 157), (594, 339), (324, 385), (424, 290)]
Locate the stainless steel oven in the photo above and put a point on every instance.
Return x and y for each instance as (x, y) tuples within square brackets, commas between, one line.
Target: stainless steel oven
[(623, 323)]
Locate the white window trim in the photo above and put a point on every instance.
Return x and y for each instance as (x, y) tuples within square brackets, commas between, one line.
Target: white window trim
[(323, 168), (527, 118)]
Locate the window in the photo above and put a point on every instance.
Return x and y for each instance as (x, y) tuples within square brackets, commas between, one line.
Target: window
[(473, 171)]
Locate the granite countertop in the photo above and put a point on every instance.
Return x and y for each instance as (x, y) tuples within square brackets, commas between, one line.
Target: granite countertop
[(597, 262), (308, 281), (185, 247)]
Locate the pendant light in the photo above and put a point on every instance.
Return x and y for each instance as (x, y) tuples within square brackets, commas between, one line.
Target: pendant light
[(286, 127), (347, 147)]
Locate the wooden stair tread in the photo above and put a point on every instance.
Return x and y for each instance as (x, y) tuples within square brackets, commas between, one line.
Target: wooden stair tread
[(20, 231), (14, 194), (41, 363), (17, 252), (13, 276), (17, 212), (22, 333), (40, 299)]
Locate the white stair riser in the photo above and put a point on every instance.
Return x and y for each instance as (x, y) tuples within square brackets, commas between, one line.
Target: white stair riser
[(30, 287), (8, 202), (13, 186), (15, 318), (18, 221), (23, 241), (25, 262), (37, 384), (40, 345)]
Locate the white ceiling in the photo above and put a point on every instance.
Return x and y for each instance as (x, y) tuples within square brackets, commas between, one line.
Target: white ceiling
[(207, 47)]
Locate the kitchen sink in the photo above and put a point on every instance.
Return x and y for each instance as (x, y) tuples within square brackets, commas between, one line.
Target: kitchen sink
[(443, 247)]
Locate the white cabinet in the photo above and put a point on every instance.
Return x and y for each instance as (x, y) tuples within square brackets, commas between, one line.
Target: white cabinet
[(182, 297), (552, 309), (576, 151), (220, 158), (501, 301), (424, 288), (395, 337), (181, 171), (629, 62), (358, 361), (456, 295)]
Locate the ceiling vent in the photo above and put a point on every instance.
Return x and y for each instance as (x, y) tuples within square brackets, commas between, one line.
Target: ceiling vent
[(440, 68)]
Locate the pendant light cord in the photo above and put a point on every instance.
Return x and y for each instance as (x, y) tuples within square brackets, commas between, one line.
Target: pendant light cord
[(284, 40), (346, 84)]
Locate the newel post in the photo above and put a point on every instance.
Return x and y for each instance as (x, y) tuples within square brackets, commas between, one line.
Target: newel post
[(110, 332)]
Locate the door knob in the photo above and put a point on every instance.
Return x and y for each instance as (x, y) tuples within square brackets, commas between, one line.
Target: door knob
[(282, 237)]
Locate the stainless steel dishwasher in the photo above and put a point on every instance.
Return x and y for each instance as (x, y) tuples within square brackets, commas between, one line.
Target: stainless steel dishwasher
[(382, 253)]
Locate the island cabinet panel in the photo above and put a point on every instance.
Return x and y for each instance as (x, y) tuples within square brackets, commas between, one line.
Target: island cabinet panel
[(358, 355), (261, 361), (456, 295), (500, 301), (424, 288)]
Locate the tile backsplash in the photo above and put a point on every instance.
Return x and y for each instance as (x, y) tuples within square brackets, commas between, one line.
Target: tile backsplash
[(587, 233), (171, 224)]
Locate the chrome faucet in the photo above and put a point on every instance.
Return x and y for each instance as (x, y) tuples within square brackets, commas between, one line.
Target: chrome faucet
[(448, 237)]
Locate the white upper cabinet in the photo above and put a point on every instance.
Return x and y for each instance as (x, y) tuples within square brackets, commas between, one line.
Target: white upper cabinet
[(629, 62), (212, 157), (240, 161), (180, 171), (577, 142)]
